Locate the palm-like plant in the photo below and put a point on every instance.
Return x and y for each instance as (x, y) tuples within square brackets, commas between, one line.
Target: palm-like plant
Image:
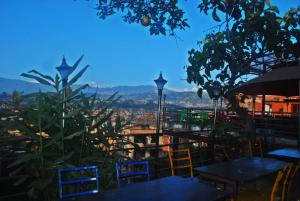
[(89, 136)]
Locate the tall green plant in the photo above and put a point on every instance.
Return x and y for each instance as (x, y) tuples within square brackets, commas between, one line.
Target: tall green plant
[(90, 135)]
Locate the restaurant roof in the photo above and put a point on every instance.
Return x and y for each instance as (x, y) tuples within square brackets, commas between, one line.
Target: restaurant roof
[(282, 81)]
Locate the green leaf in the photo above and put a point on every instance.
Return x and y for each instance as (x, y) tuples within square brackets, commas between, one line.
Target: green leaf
[(41, 184), (54, 140), (101, 121), (73, 113), (14, 139), (21, 180), (76, 92), (42, 75), (15, 171), (40, 80), (77, 62), (274, 8), (200, 92), (77, 76), (66, 157), (215, 16), (76, 134), (27, 131), (23, 159)]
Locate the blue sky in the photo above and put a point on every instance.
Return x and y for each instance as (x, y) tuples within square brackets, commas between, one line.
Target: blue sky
[(35, 34)]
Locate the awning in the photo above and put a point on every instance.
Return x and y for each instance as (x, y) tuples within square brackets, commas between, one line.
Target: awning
[(282, 81)]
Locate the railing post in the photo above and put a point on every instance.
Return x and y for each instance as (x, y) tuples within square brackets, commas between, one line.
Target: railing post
[(157, 134), (189, 120)]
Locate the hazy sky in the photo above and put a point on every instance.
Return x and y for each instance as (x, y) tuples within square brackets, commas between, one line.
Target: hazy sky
[(35, 34)]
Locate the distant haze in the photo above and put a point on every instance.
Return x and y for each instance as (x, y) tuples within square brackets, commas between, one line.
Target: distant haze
[(141, 94)]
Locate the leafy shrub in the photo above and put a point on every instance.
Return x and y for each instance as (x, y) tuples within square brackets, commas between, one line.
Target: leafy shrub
[(89, 135)]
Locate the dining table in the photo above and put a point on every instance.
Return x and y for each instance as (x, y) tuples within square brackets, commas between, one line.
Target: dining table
[(239, 171), (286, 154), (172, 188)]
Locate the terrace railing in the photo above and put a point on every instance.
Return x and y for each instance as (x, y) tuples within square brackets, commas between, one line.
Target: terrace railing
[(199, 143)]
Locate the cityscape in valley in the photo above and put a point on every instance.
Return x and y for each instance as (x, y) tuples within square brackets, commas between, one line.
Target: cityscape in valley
[(136, 103), (131, 96)]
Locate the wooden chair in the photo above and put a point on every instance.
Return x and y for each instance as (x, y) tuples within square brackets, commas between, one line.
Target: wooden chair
[(132, 169), (181, 159), (279, 189), (83, 176), (291, 180), (255, 148)]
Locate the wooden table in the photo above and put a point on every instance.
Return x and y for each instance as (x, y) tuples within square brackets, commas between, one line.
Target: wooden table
[(164, 189), (287, 154), (240, 171)]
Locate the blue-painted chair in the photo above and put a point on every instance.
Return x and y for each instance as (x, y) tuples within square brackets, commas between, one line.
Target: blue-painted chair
[(70, 171), (127, 170)]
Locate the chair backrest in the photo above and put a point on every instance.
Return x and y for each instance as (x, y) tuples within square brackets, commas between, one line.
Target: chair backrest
[(132, 169), (81, 179), (291, 180), (280, 184), (255, 148), (287, 179), (180, 159)]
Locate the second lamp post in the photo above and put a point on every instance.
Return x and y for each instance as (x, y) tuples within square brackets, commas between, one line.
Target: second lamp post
[(160, 83), (64, 70)]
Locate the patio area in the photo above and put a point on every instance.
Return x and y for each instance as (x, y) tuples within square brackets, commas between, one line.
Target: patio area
[(178, 104), (219, 173)]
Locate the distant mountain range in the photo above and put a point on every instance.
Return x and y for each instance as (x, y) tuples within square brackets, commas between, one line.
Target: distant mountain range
[(141, 94)]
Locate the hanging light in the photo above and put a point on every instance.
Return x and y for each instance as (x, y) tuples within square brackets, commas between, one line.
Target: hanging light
[(160, 83), (64, 70), (216, 92)]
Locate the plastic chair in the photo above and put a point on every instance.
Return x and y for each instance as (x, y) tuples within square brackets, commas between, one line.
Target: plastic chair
[(70, 171), (127, 170), (181, 159)]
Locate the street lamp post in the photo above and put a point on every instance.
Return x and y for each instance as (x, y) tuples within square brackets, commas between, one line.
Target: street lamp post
[(64, 70), (160, 83), (164, 112)]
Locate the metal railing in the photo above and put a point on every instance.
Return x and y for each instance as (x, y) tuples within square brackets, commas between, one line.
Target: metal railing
[(197, 141)]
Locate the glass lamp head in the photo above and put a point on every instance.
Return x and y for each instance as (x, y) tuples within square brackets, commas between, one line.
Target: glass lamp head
[(64, 69), (216, 92), (160, 82)]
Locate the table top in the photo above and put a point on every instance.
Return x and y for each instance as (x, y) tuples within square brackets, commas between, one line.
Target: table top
[(242, 170), (287, 154), (164, 189)]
